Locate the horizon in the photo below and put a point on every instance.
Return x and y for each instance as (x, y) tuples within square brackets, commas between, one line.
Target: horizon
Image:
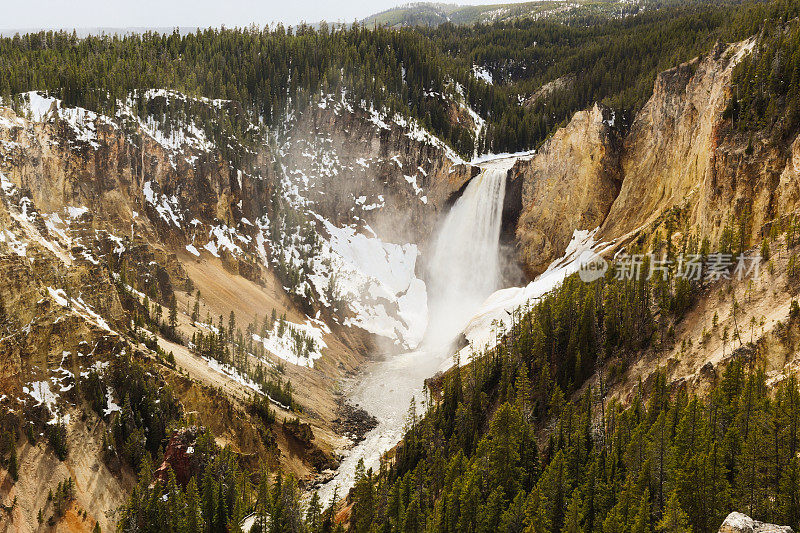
[(86, 16)]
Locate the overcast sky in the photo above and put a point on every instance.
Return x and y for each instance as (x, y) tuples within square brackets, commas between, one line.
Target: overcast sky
[(169, 13)]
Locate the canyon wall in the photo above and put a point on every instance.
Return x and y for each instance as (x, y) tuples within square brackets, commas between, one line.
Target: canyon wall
[(679, 153), (569, 184)]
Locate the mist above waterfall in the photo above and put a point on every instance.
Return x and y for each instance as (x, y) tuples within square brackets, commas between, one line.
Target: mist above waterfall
[(465, 267)]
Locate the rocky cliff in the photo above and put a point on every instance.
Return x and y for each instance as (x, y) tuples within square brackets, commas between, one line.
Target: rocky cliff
[(741, 523), (358, 165), (569, 184), (680, 152), (108, 221)]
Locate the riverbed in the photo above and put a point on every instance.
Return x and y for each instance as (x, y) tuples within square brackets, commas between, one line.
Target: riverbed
[(384, 390)]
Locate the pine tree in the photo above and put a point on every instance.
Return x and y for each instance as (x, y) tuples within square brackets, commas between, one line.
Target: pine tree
[(524, 395), (194, 519), (364, 500), (641, 522), (491, 512), (13, 466), (529, 458), (572, 523), (789, 494), (660, 458), (173, 315), (196, 309), (513, 518), (502, 448), (314, 514), (413, 521), (674, 520), (538, 512)]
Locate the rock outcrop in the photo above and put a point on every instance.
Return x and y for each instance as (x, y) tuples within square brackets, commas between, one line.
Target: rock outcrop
[(568, 185), (680, 150), (681, 154), (385, 171), (179, 456), (741, 523)]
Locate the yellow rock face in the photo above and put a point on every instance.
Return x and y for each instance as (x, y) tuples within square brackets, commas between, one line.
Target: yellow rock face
[(569, 184)]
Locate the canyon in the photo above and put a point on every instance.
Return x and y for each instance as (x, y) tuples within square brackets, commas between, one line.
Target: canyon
[(380, 250)]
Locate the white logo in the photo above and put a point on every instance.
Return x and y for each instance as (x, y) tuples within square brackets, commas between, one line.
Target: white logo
[(591, 266)]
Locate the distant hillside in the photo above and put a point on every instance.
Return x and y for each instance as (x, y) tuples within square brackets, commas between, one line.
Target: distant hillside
[(433, 14), (104, 30)]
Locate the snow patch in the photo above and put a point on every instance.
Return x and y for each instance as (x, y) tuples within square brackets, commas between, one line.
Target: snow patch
[(483, 74), (299, 344), (6, 184), (41, 393), (168, 208), (43, 108), (489, 157), (378, 281), (498, 307), (76, 212)]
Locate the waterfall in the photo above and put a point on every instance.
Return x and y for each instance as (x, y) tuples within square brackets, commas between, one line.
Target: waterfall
[(465, 266), (463, 270)]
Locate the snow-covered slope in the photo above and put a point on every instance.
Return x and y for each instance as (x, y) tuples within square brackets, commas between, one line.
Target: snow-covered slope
[(496, 312)]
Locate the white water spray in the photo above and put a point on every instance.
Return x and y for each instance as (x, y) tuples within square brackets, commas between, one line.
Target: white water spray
[(465, 267), (464, 270)]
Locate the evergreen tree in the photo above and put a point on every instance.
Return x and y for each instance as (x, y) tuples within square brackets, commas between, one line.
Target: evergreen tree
[(674, 520), (314, 514), (196, 309), (13, 465), (173, 316), (364, 500), (194, 519), (572, 523)]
